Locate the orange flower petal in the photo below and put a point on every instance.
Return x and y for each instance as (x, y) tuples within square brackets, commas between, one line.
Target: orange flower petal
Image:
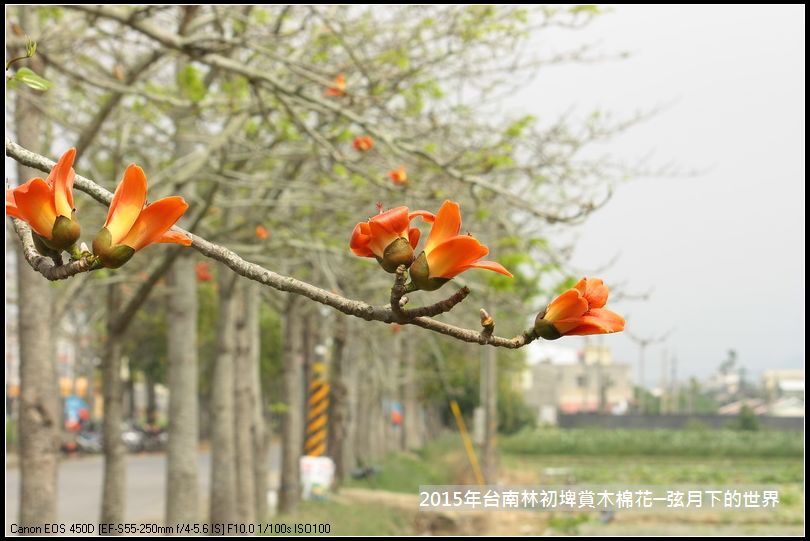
[(381, 237), (568, 305), (154, 221), (11, 205), (127, 203), (596, 321), (428, 217), (493, 266), (454, 255), (413, 236), (34, 201), (175, 237), (60, 180), (360, 241), (394, 221), (609, 320), (567, 325), (446, 224), (594, 290)]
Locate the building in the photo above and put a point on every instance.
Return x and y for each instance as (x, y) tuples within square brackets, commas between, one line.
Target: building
[(783, 383), (565, 380)]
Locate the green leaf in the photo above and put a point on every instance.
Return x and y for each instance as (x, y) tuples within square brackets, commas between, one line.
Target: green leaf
[(28, 77), (340, 170), (590, 9), (191, 85), (30, 47)]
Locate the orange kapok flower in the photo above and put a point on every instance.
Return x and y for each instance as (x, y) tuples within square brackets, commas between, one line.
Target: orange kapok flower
[(262, 232), (579, 311), (363, 143), (47, 206), (132, 225), (448, 254), (398, 176), (388, 237), (203, 271), (338, 88)]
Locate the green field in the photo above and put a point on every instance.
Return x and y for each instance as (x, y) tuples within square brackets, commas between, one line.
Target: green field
[(667, 458), (699, 443)]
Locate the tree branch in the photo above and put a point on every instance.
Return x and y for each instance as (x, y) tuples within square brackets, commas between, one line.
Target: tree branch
[(252, 271), (44, 265)]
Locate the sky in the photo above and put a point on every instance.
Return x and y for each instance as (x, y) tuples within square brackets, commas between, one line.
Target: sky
[(722, 251)]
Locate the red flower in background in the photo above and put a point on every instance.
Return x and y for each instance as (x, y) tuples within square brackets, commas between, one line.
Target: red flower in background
[(398, 176), (363, 143), (262, 232), (203, 271), (338, 88)]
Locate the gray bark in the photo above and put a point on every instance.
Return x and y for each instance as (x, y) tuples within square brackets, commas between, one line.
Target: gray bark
[(260, 432), (223, 470), (39, 421), (113, 495), (293, 420), (411, 423), (489, 389), (182, 487), (182, 504), (244, 410), (338, 402)]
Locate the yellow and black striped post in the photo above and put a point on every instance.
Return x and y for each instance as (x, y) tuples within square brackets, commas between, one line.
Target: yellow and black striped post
[(317, 411)]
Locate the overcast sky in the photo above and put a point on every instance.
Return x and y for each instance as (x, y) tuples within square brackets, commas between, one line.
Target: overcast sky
[(724, 251)]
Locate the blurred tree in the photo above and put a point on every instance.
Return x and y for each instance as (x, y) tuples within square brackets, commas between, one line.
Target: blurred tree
[(40, 418), (245, 89)]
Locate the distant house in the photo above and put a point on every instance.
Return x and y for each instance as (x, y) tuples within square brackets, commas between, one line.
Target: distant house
[(565, 380), (781, 383)]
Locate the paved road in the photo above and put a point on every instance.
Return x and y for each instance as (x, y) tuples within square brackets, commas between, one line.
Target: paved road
[(80, 487)]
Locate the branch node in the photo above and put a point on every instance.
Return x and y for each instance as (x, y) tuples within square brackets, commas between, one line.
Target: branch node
[(488, 324)]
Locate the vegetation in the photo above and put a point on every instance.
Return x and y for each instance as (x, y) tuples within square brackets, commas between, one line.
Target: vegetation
[(625, 442)]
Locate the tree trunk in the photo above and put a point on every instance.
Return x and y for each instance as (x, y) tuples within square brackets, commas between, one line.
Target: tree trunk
[(114, 492), (223, 470), (39, 421), (489, 389), (182, 487), (243, 410), (260, 432), (182, 504), (293, 421), (338, 404), (151, 399), (411, 424), (132, 409)]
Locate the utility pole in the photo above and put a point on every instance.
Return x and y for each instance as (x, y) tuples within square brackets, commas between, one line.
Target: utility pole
[(664, 386), (643, 343), (489, 401)]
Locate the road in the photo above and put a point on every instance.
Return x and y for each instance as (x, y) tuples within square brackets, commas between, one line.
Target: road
[(80, 487)]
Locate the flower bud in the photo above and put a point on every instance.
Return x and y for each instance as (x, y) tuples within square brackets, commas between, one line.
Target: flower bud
[(116, 256), (110, 256), (544, 328), (65, 233), (42, 245), (420, 275), (397, 253)]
